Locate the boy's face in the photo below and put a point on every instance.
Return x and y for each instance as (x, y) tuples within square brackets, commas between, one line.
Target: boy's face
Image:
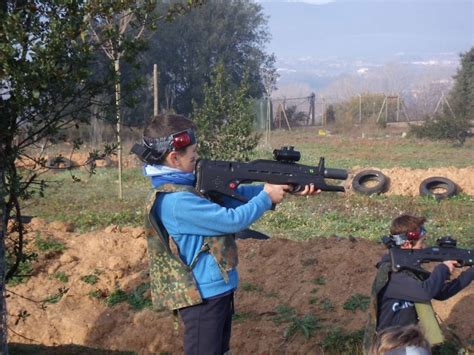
[(420, 243), (187, 161)]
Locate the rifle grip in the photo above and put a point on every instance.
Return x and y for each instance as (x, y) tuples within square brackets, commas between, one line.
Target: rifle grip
[(273, 207)]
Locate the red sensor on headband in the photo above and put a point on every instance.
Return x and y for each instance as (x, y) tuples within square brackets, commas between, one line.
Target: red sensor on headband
[(416, 235), (181, 140)]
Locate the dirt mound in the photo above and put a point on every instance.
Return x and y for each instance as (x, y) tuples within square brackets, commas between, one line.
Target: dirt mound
[(278, 277)]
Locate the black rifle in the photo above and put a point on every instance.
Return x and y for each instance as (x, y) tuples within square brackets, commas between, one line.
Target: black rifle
[(412, 259), (223, 177)]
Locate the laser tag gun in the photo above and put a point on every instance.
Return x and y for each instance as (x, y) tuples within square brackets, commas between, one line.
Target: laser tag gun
[(412, 259), (215, 177)]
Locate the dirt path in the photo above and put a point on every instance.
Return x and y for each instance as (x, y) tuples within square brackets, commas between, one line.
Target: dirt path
[(313, 278)]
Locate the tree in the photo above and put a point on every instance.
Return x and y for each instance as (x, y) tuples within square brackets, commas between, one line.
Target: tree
[(225, 119), (45, 86), (186, 50), (117, 27), (462, 94), (454, 125)]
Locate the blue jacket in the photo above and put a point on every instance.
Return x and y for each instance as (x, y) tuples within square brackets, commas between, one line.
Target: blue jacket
[(189, 218)]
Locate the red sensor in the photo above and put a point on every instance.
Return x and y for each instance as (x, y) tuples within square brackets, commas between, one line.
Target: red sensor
[(181, 140)]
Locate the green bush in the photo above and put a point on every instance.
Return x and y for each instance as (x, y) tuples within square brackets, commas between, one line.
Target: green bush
[(443, 127)]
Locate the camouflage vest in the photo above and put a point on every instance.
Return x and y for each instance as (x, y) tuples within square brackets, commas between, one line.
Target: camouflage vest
[(172, 283), (380, 281), (428, 323)]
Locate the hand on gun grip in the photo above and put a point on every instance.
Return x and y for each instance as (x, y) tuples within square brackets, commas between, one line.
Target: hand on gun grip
[(276, 192)]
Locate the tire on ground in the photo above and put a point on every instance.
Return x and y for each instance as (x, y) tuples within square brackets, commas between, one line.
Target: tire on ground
[(59, 162), (363, 182), (438, 187)]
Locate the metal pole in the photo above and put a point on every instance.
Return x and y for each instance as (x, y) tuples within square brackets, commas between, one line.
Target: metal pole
[(360, 108), (155, 89), (398, 107)]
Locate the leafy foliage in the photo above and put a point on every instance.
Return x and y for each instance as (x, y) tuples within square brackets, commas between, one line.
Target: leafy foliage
[(368, 103), (233, 33), (48, 244), (46, 85), (453, 123), (135, 298), (225, 120), (443, 127), (295, 117), (462, 94)]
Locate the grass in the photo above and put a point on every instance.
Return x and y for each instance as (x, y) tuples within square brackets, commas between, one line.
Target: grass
[(90, 279), (136, 298), (61, 276), (340, 342), (357, 301), (306, 324), (249, 287), (55, 298), (379, 151), (326, 305), (92, 203), (367, 216), (48, 244)]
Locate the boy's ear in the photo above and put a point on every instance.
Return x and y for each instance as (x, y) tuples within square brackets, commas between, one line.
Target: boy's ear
[(172, 159)]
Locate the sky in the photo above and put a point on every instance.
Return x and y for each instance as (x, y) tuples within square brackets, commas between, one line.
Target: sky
[(369, 28)]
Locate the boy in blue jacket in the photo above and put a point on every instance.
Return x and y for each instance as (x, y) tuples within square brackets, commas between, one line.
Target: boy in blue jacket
[(202, 230)]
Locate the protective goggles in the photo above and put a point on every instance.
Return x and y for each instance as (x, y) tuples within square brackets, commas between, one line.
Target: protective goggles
[(421, 232), (175, 141), (399, 239)]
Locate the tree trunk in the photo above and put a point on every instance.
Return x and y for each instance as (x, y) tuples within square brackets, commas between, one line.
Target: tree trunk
[(119, 123), (3, 232)]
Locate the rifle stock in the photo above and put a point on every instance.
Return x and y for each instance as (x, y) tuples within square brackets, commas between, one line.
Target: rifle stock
[(219, 176)]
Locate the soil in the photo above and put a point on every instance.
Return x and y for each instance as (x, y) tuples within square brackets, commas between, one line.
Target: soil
[(314, 278)]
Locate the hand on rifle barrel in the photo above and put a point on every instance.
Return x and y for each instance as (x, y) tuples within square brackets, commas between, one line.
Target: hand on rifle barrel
[(278, 192), (308, 190)]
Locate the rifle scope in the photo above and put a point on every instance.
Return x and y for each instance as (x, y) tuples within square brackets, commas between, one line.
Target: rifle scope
[(286, 154)]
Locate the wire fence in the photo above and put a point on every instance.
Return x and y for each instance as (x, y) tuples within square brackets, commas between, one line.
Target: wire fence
[(319, 110)]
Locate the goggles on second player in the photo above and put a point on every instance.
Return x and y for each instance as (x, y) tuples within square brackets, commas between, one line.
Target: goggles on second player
[(421, 232)]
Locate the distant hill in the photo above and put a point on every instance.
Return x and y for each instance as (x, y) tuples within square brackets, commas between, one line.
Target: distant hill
[(370, 29)]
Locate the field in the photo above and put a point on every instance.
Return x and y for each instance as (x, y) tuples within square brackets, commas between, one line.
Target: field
[(303, 291)]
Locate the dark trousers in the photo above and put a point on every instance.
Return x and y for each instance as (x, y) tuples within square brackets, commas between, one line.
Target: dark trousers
[(207, 326)]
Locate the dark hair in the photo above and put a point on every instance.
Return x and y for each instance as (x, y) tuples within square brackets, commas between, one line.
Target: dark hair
[(406, 223), (163, 125)]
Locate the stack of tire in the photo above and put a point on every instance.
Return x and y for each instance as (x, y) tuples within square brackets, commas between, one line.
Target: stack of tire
[(370, 182)]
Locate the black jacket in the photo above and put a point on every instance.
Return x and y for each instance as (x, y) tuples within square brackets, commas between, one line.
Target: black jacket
[(396, 300)]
